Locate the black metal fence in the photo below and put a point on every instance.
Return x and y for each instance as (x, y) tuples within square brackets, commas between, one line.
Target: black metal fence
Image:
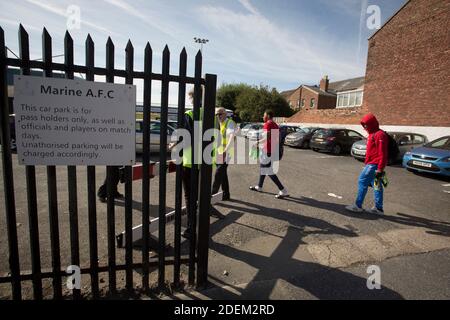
[(197, 259)]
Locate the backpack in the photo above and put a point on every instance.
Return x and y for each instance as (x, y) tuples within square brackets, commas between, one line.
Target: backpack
[(282, 138), (393, 150)]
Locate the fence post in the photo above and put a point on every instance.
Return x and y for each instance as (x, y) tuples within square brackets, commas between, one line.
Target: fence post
[(205, 185), (8, 179), (30, 172), (145, 164), (92, 206)]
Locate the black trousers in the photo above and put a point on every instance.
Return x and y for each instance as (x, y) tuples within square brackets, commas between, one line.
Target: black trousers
[(221, 179), (103, 191), (272, 176), (186, 179)]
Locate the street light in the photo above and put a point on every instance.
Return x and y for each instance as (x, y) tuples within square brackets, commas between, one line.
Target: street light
[(201, 41)]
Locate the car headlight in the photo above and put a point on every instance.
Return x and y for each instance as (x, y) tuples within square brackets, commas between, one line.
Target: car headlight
[(446, 159), (407, 153)]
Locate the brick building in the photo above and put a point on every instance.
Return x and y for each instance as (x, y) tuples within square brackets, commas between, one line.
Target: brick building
[(328, 95), (407, 82)]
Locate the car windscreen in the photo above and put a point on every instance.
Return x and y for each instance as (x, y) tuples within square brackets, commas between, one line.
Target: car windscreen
[(324, 132), (441, 143)]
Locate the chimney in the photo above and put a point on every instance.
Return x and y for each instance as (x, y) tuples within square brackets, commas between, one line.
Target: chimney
[(324, 83)]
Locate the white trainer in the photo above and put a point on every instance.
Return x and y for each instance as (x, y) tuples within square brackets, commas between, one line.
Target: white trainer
[(256, 188), (375, 210), (282, 194), (354, 208)]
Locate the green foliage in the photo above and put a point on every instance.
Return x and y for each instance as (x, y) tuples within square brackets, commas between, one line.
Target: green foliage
[(250, 102)]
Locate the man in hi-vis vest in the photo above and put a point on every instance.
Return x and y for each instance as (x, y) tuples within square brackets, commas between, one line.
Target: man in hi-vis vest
[(223, 152)]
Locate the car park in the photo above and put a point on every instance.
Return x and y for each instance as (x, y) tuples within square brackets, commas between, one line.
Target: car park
[(155, 131), (406, 141), (301, 138), (432, 157), (335, 141)]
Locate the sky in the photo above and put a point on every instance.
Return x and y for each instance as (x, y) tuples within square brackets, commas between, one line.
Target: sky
[(282, 44)]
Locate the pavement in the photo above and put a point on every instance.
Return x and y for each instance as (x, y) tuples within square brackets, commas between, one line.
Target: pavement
[(306, 246)]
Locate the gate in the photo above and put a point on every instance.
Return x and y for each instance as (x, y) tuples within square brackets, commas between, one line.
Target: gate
[(196, 260)]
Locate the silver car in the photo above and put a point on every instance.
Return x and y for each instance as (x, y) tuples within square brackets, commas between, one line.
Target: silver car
[(155, 130), (406, 141)]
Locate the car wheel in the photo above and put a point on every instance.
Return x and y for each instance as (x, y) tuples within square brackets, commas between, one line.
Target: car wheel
[(336, 150), (314, 149), (305, 145)]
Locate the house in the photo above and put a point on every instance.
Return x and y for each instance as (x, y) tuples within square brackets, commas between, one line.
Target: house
[(328, 95), (407, 82)]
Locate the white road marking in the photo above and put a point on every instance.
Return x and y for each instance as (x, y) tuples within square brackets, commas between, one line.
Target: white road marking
[(446, 185), (335, 195)]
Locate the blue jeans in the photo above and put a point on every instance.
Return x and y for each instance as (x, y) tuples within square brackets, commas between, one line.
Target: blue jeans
[(365, 180)]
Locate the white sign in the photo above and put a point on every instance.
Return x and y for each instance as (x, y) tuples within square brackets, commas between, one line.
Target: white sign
[(74, 122)]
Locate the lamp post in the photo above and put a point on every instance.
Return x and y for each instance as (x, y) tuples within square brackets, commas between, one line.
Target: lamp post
[(201, 41)]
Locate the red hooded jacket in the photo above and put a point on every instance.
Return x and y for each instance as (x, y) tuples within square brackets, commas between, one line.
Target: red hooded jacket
[(377, 142)]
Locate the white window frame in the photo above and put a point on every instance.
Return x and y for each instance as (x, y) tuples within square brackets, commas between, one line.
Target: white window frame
[(346, 96)]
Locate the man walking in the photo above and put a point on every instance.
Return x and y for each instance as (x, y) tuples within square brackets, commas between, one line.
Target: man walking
[(224, 152), (270, 142), (376, 159)]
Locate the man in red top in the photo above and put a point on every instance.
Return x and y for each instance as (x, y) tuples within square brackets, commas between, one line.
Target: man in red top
[(269, 154), (376, 159)]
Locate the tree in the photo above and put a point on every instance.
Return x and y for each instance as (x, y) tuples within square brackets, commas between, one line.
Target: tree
[(228, 93), (253, 101)]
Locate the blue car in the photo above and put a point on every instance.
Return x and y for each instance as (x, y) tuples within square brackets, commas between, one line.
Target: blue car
[(433, 157)]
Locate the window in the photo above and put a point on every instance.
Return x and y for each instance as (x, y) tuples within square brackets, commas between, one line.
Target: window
[(349, 99), (441, 143), (358, 98), (418, 139), (353, 134), (340, 100), (313, 103), (345, 103), (298, 103), (303, 103), (290, 104)]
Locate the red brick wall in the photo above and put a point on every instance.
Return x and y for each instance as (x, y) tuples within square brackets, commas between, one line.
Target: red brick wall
[(293, 98), (408, 64), (337, 116), (308, 95), (326, 102)]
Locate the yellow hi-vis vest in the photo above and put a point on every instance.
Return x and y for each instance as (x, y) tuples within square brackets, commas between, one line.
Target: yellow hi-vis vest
[(224, 138), (187, 152)]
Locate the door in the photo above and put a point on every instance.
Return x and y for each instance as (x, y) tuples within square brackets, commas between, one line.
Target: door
[(353, 136)]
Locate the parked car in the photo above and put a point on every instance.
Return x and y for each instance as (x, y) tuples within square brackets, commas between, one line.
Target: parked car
[(289, 129), (246, 128), (300, 138), (155, 130), (254, 133), (433, 157), (406, 142), (335, 141)]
